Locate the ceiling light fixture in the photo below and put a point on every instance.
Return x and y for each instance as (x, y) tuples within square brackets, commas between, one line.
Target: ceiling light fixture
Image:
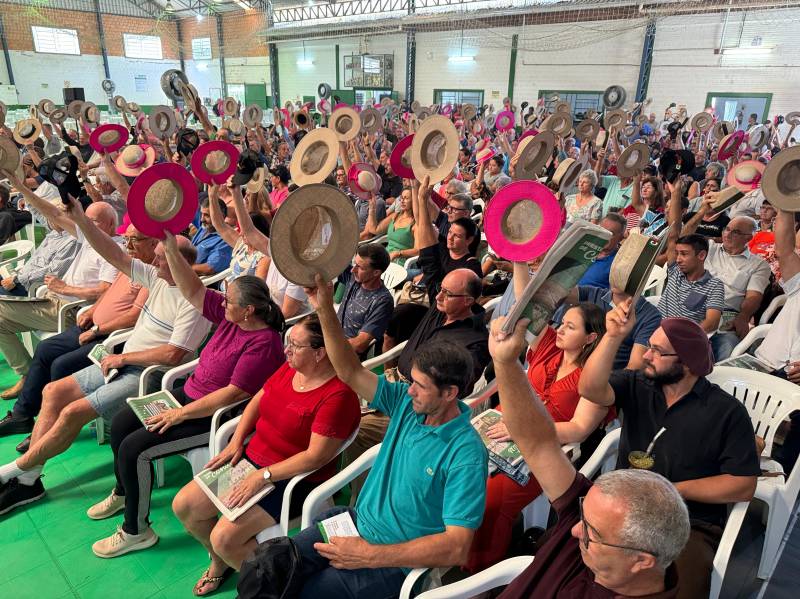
[(168, 7), (243, 4)]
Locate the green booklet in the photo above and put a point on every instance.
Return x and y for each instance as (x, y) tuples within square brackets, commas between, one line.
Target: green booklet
[(149, 405), (505, 450), (218, 485), (340, 525), (97, 354)]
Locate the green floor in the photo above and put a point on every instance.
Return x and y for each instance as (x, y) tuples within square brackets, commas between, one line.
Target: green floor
[(46, 546)]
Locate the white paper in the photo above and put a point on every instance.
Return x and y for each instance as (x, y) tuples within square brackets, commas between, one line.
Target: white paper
[(340, 525)]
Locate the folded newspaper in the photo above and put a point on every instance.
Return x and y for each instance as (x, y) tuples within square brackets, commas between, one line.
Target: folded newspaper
[(218, 485), (504, 455), (634, 262), (97, 354), (563, 266), (149, 405), (746, 361)]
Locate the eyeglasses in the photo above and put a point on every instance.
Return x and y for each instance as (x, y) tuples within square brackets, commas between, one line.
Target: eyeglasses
[(585, 540), (449, 294), (291, 345), (730, 231), (659, 352), (450, 209), (133, 240)]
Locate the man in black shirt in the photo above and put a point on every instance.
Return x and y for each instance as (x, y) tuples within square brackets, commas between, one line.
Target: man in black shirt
[(679, 425)]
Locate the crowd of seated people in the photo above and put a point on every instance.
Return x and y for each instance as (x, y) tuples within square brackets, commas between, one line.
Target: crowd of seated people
[(294, 356)]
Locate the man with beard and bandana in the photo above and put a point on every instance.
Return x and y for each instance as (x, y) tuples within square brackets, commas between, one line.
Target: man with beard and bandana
[(678, 424)]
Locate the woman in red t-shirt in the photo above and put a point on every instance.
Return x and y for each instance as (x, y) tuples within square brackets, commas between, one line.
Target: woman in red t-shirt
[(554, 369), (298, 421)]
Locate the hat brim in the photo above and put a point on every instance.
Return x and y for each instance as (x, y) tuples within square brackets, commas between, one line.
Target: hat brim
[(641, 152), (533, 154), (339, 252), (97, 145), (37, 131), (504, 121), (730, 144), (430, 127), (321, 135), (374, 118), (745, 186), (129, 171), (587, 130), (774, 190), (138, 193), (199, 158), (12, 157), (340, 113), (545, 231), (352, 178), (172, 122), (396, 158), (257, 181)]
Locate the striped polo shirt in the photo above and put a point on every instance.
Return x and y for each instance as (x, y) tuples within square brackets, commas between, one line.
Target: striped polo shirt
[(690, 299)]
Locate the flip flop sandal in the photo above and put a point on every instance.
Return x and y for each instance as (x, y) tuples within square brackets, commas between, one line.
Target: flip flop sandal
[(205, 579)]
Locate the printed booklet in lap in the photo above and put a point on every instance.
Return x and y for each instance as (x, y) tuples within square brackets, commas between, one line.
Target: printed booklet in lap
[(340, 525), (149, 405), (219, 483), (503, 455), (97, 354), (746, 361)]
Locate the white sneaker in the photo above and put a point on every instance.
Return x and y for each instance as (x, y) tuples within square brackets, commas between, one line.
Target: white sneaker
[(121, 543), (106, 508)]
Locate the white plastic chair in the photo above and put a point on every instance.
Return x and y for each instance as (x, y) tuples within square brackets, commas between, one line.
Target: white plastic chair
[(22, 250), (770, 401), (653, 299), (498, 575), (604, 459), (216, 278), (411, 262), (655, 284), (755, 334), (769, 314), (394, 275)]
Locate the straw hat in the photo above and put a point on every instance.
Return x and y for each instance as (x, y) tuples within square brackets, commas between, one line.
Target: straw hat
[(401, 158), (482, 143), (58, 116), (162, 198), (721, 129), (134, 107), (170, 83), (504, 121), (702, 122), (415, 106), (469, 112), (324, 91), (746, 176), (614, 119), (235, 126), (46, 106), (90, 113), (108, 138), (134, 160), (386, 101), (253, 115), (567, 173), (479, 128), (559, 123), (301, 119), (489, 121), (781, 180), (434, 151), (371, 120), (119, 103), (162, 122), (315, 157), (630, 130), (230, 106), (256, 182), (587, 130), (633, 159), (758, 137), (345, 122), (315, 231), (533, 152), (27, 131), (75, 108), (485, 154), (793, 118), (189, 94), (730, 144), (9, 155), (3, 112), (423, 113), (215, 161), (614, 97), (363, 180), (563, 106), (324, 106)]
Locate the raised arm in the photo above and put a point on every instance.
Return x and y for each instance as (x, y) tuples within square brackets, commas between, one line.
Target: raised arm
[(784, 245), (255, 237), (344, 154), (636, 195), (341, 354), (118, 181), (50, 212), (102, 243), (228, 233), (190, 285), (426, 234), (587, 418), (673, 219)]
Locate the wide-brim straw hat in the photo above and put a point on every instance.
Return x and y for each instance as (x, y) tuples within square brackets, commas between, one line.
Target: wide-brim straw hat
[(162, 122), (633, 159), (702, 122), (504, 120), (781, 180), (345, 122), (730, 144), (58, 116), (135, 159), (560, 123), (567, 173), (253, 115), (162, 198), (746, 176), (257, 181), (324, 91), (27, 130), (134, 107), (415, 106), (189, 94), (485, 154), (301, 119), (120, 103), (434, 150), (230, 106), (315, 231), (371, 120), (720, 129), (75, 108), (468, 112), (614, 119), (793, 118), (587, 130), (108, 138), (614, 97), (563, 106), (314, 157), (235, 126), (170, 83), (10, 157), (400, 158), (533, 153), (364, 180), (90, 113), (215, 161), (46, 106), (3, 112), (758, 137)]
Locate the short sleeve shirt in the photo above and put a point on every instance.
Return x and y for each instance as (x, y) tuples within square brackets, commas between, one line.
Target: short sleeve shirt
[(118, 299), (425, 477), (782, 343), (739, 273), (212, 249), (166, 318), (690, 299), (597, 273), (89, 268), (616, 197), (365, 310)]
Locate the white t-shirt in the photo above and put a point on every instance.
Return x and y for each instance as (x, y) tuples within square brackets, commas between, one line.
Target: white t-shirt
[(280, 287), (740, 273), (89, 268), (166, 316), (782, 343)]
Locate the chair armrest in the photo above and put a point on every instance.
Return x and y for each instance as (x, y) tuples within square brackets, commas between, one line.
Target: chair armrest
[(173, 374), (479, 401), (295, 319), (41, 291), (147, 373), (215, 423), (223, 435), (384, 357), (607, 447), (498, 575), (725, 547), (315, 500), (116, 338), (756, 333), (64, 311), (211, 279)]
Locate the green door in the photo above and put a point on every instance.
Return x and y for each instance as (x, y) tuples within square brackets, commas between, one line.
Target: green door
[(256, 93)]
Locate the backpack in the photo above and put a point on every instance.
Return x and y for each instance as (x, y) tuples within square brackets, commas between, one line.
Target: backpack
[(272, 571)]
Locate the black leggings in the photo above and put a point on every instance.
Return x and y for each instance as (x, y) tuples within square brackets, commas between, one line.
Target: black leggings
[(135, 448)]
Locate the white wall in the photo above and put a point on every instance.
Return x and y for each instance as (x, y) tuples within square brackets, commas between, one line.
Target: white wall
[(205, 76), (124, 72), (40, 76)]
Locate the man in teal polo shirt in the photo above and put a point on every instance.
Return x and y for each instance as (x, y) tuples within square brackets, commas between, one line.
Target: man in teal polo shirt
[(425, 494), (618, 189)]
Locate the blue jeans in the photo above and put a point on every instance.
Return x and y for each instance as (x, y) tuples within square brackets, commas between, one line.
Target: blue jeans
[(325, 581), (723, 343), (56, 357), (17, 290)]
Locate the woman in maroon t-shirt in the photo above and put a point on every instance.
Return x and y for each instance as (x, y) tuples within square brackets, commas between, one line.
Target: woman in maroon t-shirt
[(298, 421)]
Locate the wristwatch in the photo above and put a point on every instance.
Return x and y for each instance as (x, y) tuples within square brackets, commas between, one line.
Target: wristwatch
[(267, 474), (95, 330)]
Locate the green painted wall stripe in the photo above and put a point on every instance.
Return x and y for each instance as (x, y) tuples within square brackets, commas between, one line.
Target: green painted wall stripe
[(337, 66), (512, 67)]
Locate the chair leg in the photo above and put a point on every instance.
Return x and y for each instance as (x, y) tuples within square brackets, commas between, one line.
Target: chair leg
[(158, 466), (100, 429), (777, 521)]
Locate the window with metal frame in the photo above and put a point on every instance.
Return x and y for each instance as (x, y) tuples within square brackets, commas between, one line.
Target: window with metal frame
[(458, 96), (54, 40), (201, 48), (580, 101), (142, 46)]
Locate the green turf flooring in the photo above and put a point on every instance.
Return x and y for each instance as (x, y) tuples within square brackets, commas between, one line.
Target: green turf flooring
[(45, 547)]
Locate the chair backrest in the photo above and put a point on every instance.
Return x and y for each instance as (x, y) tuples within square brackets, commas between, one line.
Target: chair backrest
[(655, 284), (772, 310), (653, 299), (768, 399), (394, 275)]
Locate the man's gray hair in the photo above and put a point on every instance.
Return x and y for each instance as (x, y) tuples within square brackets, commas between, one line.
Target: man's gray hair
[(455, 186), (465, 199), (590, 176), (616, 217), (717, 167), (656, 517)]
